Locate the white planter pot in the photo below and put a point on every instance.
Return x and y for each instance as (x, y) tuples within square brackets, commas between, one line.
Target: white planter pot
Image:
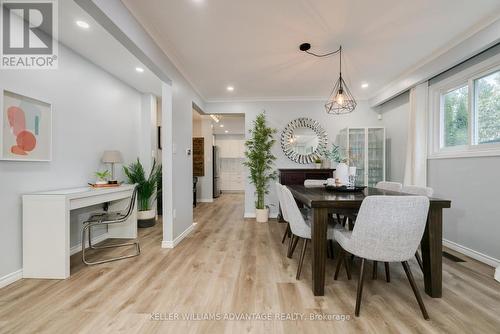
[(318, 166), (146, 218), (333, 164), (145, 215), (262, 215), (101, 182)]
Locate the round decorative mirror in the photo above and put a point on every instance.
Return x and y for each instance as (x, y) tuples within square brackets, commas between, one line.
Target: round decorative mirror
[(303, 140)]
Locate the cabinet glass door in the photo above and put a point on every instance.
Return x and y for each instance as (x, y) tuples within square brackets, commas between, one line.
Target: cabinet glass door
[(357, 153), (375, 156)]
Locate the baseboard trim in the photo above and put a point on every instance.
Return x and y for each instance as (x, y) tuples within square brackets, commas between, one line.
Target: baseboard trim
[(205, 200), (176, 241), (11, 278), (77, 248), (497, 274), (472, 253)]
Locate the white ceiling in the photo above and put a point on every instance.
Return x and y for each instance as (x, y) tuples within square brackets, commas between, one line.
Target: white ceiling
[(98, 46), (253, 45)]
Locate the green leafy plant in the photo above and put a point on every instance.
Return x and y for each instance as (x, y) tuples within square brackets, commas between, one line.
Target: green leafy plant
[(318, 161), (335, 154), (103, 176), (146, 187), (260, 160)]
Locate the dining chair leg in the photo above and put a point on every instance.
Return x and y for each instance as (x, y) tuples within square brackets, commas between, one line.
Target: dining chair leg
[(387, 272), (290, 242), (419, 260), (375, 270), (287, 231), (415, 289), (301, 260), (339, 220), (339, 263), (329, 249), (347, 269), (294, 241), (360, 287)]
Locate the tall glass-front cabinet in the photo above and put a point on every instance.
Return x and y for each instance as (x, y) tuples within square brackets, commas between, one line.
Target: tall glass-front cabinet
[(365, 148)]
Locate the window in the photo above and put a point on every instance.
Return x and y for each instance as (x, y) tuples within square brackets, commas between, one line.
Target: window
[(487, 108), (456, 117), (465, 114)]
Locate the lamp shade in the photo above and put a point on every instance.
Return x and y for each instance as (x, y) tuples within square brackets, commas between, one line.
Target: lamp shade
[(112, 157)]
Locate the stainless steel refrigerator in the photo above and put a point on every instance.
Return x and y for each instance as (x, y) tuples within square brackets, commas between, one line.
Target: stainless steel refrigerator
[(216, 171)]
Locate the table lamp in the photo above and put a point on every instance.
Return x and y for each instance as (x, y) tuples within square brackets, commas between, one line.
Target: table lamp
[(112, 157)]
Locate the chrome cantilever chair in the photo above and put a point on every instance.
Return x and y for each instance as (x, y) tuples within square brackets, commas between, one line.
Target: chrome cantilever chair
[(109, 218), (388, 229)]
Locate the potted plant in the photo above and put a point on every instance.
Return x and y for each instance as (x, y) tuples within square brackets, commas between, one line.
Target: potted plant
[(102, 177), (260, 163), (146, 191), (334, 155), (318, 162)]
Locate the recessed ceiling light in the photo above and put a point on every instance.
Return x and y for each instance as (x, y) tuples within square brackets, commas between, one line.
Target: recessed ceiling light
[(230, 88), (139, 69), (82, 24), (364, 85), (222, 125), (226, 131)]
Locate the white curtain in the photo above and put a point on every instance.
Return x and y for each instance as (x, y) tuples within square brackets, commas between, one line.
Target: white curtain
[(416, 150)]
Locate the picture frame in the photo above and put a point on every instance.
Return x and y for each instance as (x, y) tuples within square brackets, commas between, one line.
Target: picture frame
[(25, 127)]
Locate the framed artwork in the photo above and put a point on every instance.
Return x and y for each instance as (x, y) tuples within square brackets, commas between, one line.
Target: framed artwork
[(25, 128)]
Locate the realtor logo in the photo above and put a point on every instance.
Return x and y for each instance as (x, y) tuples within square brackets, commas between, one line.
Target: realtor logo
[(29, 34)]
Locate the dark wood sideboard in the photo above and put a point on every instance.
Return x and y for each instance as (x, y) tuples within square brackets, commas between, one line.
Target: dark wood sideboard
[(291, 176)]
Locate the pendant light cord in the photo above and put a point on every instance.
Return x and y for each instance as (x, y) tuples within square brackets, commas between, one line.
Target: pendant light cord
[(325, 54)]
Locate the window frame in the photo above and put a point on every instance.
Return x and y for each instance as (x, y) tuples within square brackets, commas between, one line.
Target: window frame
[(467, 77)]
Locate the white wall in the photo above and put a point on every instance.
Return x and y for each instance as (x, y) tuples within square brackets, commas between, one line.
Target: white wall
[(279, 113), (177, 102), (470, 183), (395, 118), (92, 112)]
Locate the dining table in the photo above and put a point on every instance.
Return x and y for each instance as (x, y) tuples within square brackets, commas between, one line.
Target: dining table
[(323, 202)]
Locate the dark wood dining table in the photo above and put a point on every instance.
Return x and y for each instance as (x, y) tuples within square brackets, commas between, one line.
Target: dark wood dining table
[(323, 202)]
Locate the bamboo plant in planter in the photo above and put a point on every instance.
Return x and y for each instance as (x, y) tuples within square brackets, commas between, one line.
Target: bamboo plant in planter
[(260, 162), (146, 191)]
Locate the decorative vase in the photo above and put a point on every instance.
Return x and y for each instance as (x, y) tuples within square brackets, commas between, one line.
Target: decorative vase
[(262, 215), (333, 164), (342, 173), (146, 218)]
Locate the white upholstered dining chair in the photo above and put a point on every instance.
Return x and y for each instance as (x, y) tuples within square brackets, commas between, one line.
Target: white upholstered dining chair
[(416, 190), (420, 191), (387, 229), (391, 186), (314, 183), (299, 225)]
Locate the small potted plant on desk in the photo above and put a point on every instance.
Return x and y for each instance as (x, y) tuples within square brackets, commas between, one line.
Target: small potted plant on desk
[(260, 163), (147, 191), (102, 177)]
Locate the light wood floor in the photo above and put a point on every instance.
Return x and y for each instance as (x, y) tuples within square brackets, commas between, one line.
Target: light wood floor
[(233, 265)]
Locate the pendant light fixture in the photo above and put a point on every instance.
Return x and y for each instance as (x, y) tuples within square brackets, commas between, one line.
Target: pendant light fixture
[(340, 101)]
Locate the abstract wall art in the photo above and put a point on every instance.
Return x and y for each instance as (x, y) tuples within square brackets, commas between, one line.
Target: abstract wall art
[(25, 128)]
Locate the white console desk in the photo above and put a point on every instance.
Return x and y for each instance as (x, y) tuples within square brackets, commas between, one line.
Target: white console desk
[(46, 226)]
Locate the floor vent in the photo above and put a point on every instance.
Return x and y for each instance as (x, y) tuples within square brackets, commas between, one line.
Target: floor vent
[(452, 257)]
